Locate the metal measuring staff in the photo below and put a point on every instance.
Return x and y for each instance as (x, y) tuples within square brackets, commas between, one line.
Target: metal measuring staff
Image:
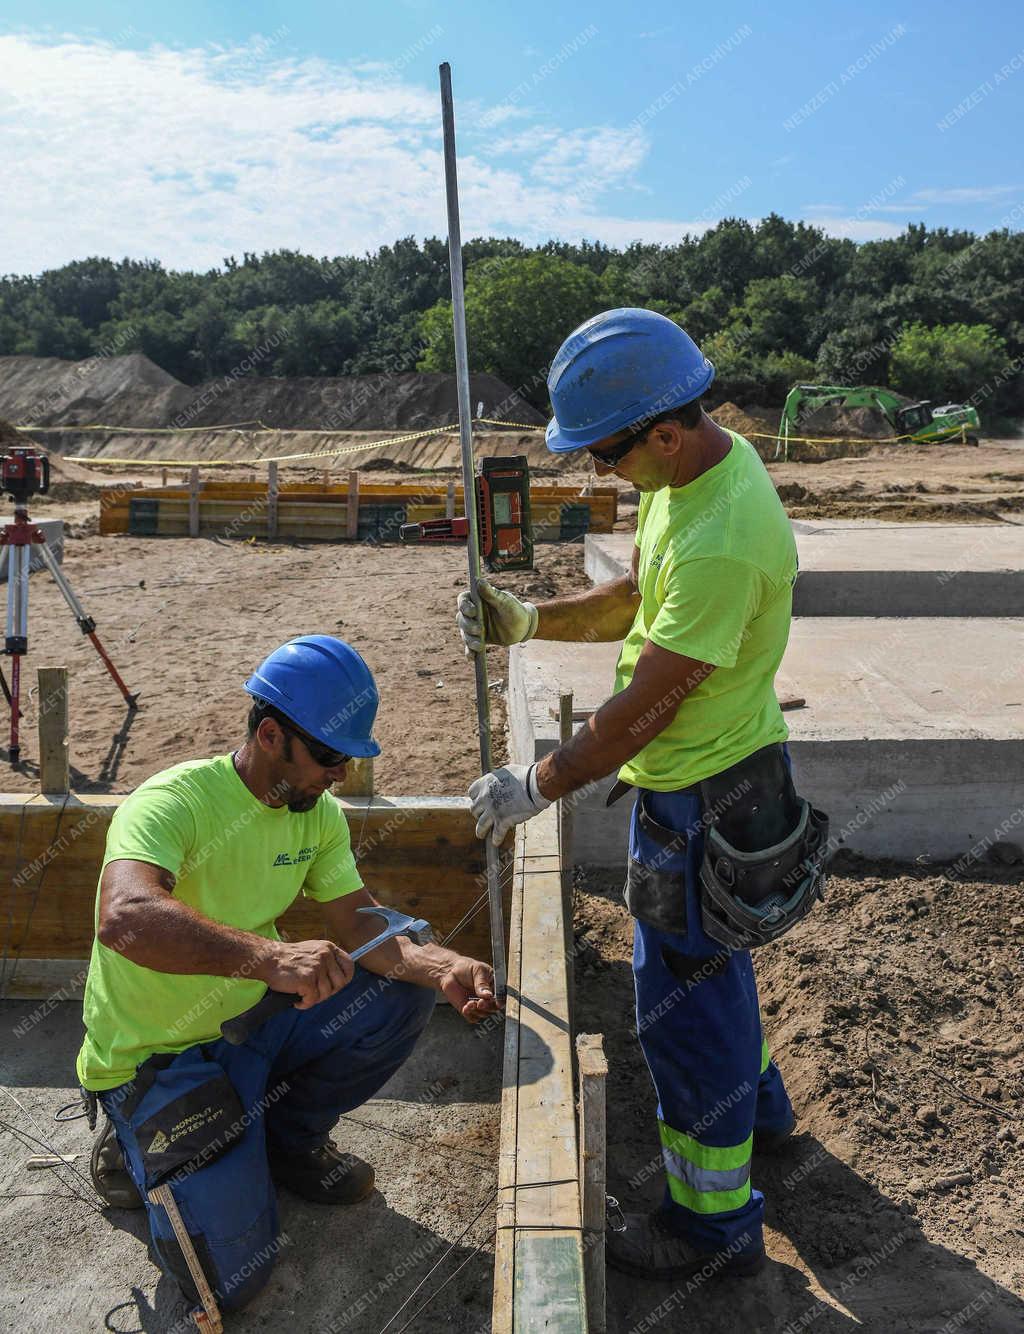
[(483, 704)]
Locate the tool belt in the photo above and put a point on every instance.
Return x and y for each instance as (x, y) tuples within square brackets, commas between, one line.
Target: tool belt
[(765, 850)]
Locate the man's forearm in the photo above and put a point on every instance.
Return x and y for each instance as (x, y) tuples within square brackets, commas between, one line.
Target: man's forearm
[(608, 738), (170, 937), (600, 615), (423, 965)]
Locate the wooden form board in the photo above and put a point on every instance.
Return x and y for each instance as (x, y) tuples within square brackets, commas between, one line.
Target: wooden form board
[(418, 854), (247, 508), (538, 1269)]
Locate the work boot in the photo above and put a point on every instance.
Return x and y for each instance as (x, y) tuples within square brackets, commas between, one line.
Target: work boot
[(324, 1175), (770, 1141), (648, 1249), (109, 1174)]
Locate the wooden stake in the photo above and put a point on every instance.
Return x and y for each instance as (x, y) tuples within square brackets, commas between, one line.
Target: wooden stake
[(54, 763), (593, 1070), (358, 780), (352, 523), (272, 495), (449, 503), (193, 502), (565, 823)]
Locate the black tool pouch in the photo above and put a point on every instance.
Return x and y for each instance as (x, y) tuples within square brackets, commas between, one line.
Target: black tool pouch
[(186, 1119), (752, 804), (654, 895), (765, 852)]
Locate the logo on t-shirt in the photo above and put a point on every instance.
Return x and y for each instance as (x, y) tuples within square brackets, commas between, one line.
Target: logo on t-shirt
[(303, 855)]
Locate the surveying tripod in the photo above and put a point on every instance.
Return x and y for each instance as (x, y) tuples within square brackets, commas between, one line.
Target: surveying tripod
[(23, 473)]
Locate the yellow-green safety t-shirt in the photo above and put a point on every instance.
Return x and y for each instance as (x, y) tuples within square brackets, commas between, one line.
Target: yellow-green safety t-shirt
[(717, 567), (236, 861)]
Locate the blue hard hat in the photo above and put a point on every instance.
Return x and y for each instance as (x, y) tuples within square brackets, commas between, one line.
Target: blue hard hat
[(325, 688), (619, 369)]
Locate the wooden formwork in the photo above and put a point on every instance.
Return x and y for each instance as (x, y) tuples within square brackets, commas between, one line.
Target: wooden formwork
[(418, 854), (329, 511), (539, 1282)]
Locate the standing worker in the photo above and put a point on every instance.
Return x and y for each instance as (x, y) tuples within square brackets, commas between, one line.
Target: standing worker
[(723, 854), (200, 861)]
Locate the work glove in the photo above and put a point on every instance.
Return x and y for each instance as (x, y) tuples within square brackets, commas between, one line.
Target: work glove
[(505, 798), (507, 620)]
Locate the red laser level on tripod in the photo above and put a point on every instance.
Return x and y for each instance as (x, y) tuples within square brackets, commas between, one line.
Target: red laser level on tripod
[(25, 473), (503, 506)]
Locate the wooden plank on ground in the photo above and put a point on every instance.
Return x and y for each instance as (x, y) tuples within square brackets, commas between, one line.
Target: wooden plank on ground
[(540, 1208)]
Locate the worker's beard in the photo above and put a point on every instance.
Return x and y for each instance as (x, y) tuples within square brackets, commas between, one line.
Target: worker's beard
[(298, 805)]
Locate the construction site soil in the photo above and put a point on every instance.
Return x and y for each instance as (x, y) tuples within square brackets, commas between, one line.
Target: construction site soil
[(186, 620), (894, 1012)]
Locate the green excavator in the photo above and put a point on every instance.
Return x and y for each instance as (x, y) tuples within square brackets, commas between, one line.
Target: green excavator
[(920, 422)]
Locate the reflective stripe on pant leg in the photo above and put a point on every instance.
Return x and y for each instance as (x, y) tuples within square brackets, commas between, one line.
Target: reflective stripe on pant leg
[(700, 1032), (765, 1054), (703, 1178)]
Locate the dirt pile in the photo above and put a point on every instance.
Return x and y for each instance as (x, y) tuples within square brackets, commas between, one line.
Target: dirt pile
[(407, 402), (133, 391), (851, 423), (894, 1013), (738, 419), (124, 391)]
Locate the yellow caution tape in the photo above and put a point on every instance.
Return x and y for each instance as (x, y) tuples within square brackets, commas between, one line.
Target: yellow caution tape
[(243, 428)]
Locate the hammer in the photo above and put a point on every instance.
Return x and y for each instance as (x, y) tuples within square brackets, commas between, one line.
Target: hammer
[(242, 1027)]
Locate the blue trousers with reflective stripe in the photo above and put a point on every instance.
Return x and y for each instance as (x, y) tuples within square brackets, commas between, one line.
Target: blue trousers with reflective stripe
[(699, 1025), (294, 1077)]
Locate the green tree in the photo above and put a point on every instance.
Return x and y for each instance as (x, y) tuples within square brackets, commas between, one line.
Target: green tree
[(954, 361), (518, 311)]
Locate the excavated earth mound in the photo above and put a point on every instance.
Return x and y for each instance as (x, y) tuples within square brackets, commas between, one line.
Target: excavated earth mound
[(133, 391)]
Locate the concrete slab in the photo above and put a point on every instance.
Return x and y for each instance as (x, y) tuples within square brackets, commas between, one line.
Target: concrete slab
[(431, 1133), (860, 567), (911, 737)]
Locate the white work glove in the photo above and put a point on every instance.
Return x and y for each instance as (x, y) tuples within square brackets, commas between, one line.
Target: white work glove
[(505, 798), (507, 620)]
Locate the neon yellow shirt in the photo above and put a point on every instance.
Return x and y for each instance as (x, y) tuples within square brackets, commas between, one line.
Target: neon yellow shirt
[(236, 861), (717, 567)]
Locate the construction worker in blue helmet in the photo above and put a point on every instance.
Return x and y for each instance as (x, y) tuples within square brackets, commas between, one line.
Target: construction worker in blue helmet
[(723, 855), (201, 860)]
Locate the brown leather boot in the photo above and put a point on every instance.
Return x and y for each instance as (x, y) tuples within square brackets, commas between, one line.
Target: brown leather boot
[(109, 1174)]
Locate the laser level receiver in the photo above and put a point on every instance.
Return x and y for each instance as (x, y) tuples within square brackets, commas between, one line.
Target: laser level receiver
[(503, 507), (24, 473)]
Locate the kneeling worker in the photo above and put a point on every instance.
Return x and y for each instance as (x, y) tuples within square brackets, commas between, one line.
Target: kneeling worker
[(200, 862), (723, 855)]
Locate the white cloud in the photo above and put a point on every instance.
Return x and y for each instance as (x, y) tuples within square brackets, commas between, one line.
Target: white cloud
[(966, 194), (858, 229), (189, 155)]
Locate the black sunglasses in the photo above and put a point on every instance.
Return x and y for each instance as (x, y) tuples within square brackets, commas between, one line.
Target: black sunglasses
[(321, 754), (616, 453)]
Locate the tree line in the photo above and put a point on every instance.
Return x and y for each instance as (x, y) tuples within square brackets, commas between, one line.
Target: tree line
[(934, 313)]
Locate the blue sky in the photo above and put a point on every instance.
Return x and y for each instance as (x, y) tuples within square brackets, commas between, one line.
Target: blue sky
[(190, 131)]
